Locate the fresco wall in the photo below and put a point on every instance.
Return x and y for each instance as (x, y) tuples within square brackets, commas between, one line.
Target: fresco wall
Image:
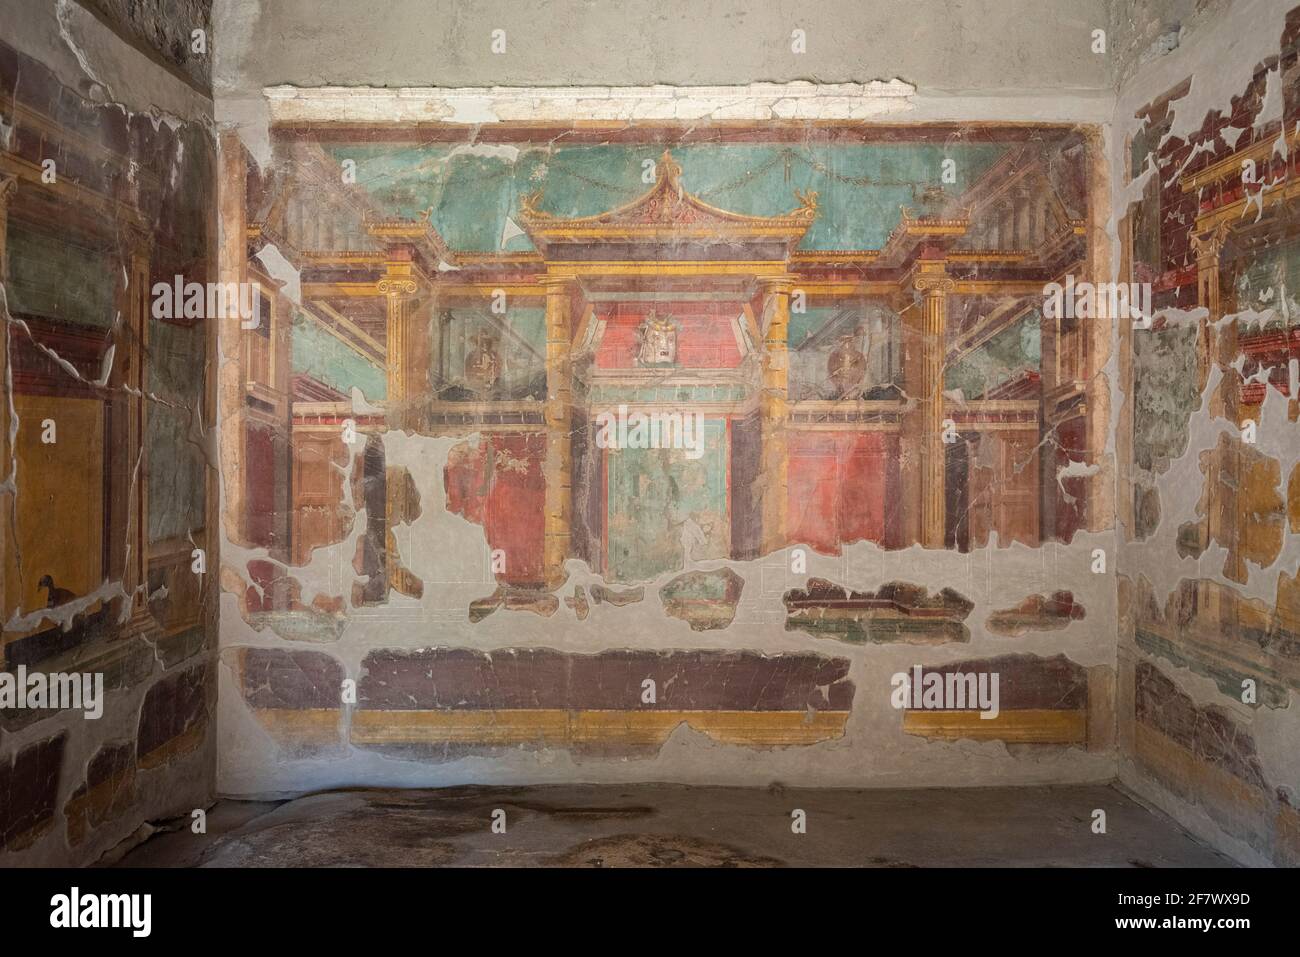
[(1210, 479), (107, 630), (603, 450)]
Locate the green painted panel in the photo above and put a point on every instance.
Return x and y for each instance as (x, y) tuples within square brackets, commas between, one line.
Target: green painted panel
[(176, 465), (1269, 283), (51, 277), (652, 493)]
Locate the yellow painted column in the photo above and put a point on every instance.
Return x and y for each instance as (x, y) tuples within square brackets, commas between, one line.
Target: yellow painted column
[(1207, 248), (558, 466), (934, 286), (398, 287), (774, 409)]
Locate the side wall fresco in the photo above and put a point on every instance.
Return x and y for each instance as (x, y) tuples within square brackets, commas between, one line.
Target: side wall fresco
[(106, 186), (1208, 437)]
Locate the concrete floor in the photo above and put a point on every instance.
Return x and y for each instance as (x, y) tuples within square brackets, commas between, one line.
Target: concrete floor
[(677, 826)]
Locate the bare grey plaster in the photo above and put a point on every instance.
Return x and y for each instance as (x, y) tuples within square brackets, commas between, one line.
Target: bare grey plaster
[(960, 46)]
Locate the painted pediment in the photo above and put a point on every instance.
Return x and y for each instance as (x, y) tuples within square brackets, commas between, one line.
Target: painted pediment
[(667, 213)]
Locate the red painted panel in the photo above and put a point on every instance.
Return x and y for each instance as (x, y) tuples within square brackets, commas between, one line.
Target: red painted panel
[(812, 486), (514, 515), (499, 484), (836, 488), (705, 336), (863, 466)]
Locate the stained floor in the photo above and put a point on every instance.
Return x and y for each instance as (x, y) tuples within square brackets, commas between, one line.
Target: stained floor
[(678, 826)]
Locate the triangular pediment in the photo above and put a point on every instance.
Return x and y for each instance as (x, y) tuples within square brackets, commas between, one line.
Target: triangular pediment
[(667, 213)]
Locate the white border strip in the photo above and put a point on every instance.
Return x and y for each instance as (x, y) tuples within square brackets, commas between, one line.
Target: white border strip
[(757, 101)]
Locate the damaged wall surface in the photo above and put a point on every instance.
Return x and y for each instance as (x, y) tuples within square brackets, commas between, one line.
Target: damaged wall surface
[(1206, 211), (108, 687), (576, 441), (383, 409)]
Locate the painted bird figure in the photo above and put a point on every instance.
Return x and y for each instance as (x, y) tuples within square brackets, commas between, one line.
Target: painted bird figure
[(57, 596)]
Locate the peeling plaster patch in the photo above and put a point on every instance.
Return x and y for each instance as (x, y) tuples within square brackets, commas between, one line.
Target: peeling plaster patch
[(295, 695), (1242, 508), (617, 596), (29, 788), (1208, 734), (273, 599), (108, 792), (1037, 613), (514, 599), (578, 602), (1230, 637), (704, 599), (897, 612), (281, 270), (66, 10)]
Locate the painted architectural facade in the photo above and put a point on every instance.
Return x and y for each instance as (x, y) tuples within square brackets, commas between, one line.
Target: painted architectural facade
[(649, 436), (555, 398)]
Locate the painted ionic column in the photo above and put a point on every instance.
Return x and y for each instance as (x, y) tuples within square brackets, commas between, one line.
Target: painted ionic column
[(774, 410), (934, 287), (1207, 248), (398, 287), (558, 467)]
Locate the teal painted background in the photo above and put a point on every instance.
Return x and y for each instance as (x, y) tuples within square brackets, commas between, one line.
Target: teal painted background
[(1005, 356), (860, 186), (322, 356)]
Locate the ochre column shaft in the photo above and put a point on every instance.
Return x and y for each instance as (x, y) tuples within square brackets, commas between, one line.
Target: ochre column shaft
[(774, 410), (398, 287), (934, 287), (559, 432)]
